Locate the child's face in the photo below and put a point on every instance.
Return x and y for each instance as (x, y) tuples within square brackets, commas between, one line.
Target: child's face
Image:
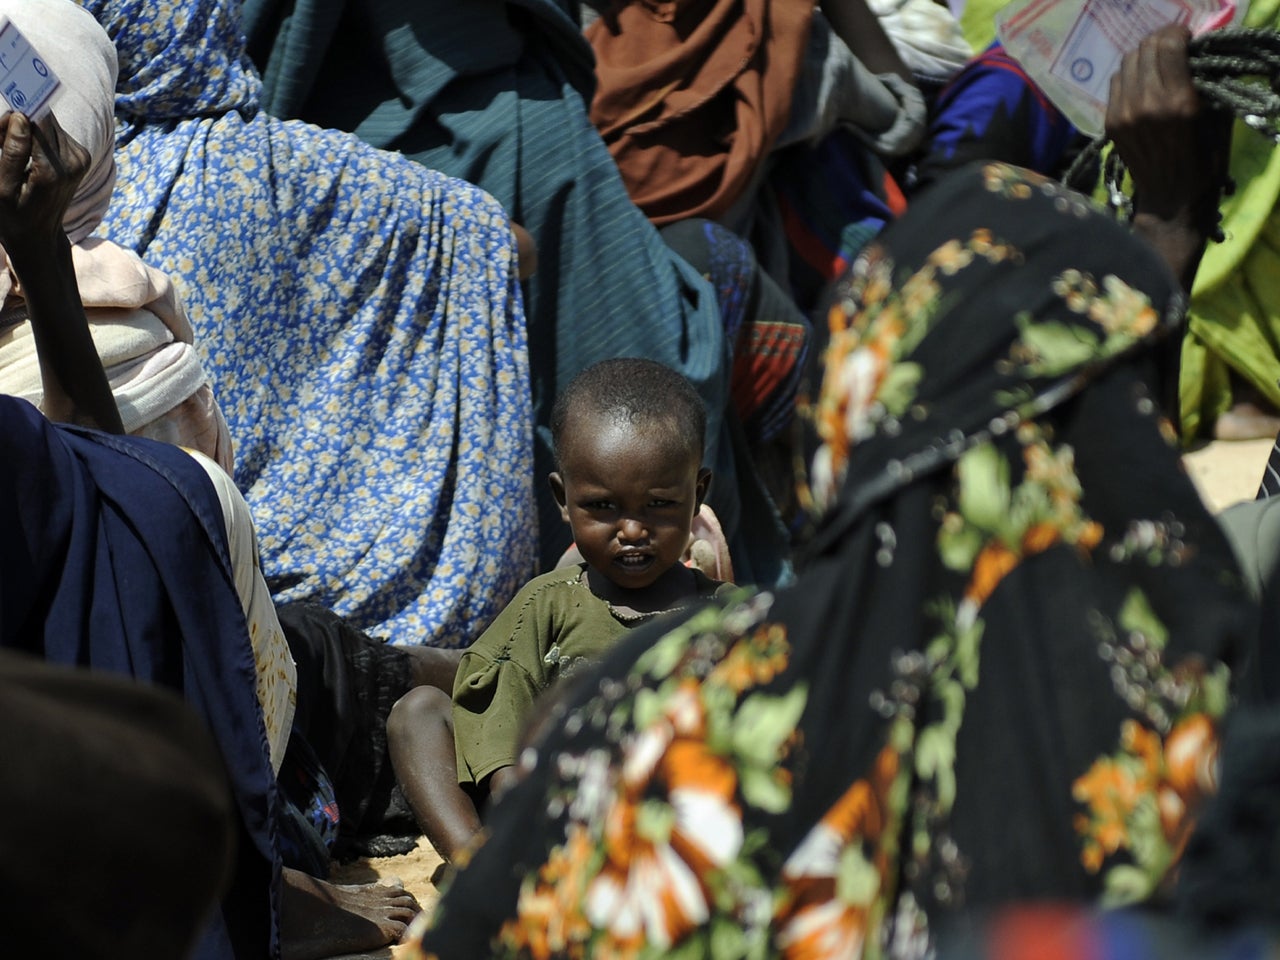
[(629, 495)]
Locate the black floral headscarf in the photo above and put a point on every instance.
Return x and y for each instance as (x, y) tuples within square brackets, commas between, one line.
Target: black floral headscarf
[(1000, 674)]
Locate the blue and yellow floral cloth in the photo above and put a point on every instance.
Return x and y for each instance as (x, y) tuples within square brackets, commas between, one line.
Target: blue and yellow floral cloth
[(360, 318)]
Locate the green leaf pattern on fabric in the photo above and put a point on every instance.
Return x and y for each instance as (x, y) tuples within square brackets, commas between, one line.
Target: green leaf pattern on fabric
[(657, 862), (1138, 803)]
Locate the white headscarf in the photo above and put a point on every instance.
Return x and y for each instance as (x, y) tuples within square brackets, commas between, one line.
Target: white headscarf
[(139, 326), (82, 56)]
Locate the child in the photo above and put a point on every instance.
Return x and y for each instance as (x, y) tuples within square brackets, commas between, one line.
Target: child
[(628, 440)]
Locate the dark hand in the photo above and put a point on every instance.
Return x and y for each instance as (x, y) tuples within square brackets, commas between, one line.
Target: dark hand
[(41, 167), (1175, 149)]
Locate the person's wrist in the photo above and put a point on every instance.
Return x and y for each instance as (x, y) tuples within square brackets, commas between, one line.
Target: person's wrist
[(38, 254), (1200, 214)]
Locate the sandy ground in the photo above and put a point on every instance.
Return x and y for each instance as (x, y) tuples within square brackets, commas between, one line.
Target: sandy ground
[(1225, 472)]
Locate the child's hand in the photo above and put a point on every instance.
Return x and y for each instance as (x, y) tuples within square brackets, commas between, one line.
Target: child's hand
[(41, 167)]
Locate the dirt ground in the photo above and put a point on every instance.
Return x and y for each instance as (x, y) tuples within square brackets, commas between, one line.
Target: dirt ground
[(1225, 472)]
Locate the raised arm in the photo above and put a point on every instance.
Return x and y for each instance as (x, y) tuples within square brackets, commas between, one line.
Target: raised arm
[(40, 168), (1175, 148), (855, 24)]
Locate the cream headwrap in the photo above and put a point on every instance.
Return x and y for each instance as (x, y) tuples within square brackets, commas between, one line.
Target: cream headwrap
[(138, 323), (70, 40)]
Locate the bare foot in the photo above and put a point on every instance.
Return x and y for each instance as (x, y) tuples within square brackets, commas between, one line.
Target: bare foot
[(1246, 421), (320, 919)]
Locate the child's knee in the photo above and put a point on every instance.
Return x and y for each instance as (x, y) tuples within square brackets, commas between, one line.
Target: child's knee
[(418, 710)]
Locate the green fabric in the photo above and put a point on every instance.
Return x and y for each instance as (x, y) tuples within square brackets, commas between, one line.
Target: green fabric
[(1235, 306), (554, 625), (1234, 320), (1253, 530), (978, 22)]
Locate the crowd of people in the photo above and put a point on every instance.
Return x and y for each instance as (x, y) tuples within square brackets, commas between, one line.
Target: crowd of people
[(692, 461)]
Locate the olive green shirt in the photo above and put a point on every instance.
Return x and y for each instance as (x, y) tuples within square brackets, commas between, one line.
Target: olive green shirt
[(554, 625)]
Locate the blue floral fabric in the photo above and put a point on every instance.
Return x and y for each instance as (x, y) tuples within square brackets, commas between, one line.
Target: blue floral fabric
[(361, 321)]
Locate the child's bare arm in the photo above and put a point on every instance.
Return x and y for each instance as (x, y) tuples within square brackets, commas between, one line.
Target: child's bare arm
[(40, 168)]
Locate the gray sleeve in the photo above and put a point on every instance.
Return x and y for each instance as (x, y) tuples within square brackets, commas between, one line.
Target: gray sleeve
[(1253, 529)]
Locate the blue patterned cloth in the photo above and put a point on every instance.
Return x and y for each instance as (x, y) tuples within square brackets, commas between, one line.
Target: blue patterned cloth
[(360, 318), (992, 110)]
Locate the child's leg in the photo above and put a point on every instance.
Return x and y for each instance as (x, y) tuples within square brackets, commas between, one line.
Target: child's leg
[(420, 740)]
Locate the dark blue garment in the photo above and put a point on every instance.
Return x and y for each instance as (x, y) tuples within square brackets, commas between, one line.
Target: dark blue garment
[(114, 557), (991, 110)]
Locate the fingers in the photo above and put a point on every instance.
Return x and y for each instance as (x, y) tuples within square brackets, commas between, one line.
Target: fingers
[(41, 167), (1164, 55), (15, 154), (1153, 82), (66, 159)]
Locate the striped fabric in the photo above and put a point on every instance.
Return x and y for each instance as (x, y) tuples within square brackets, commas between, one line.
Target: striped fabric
[(1270, 485)]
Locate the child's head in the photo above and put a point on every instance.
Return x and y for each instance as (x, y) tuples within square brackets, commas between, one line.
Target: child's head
[(628, 439)]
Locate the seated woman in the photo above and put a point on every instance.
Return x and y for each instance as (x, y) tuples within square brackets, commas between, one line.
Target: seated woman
[(1000, 673), (129, 556), (361, 320), (136, 317), (497, 92)]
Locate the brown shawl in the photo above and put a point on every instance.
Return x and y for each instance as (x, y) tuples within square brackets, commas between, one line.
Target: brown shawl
[(692, 94)]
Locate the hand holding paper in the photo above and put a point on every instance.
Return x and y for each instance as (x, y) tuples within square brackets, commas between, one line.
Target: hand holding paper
[(1072, 48), (26, 81), (1174, 147), (40, 168)]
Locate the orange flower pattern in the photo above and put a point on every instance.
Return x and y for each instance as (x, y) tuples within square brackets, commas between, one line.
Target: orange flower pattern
[(1139, 804), (872, 329), (836, 880), (655, 843)]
